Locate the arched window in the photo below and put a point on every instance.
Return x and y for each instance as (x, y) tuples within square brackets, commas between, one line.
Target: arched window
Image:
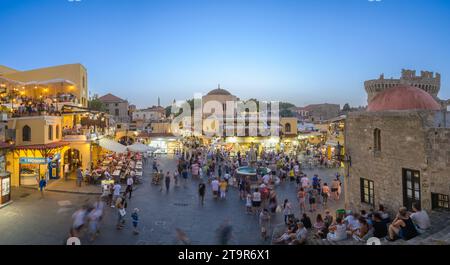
[(287, 127), (57, 131), (26, 133), (377, 140), (50, 132)]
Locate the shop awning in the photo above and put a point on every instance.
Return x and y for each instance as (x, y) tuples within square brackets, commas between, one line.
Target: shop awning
[(140, 148), (112, 145)]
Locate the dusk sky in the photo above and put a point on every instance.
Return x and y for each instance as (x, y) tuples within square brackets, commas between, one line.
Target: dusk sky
[(300, 51)]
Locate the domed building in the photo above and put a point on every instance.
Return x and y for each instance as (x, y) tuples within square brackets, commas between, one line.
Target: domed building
[(403, 97), (219, 95), (398, 151)]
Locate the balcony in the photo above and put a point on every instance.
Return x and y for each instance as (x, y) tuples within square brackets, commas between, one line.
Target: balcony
[(83, 134)]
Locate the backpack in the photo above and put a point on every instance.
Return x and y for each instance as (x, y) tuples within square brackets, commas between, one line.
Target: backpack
[(315, 181)]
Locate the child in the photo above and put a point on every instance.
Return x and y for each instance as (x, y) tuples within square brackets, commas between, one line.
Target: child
[(248, 203), (42, 185), (135, 218)]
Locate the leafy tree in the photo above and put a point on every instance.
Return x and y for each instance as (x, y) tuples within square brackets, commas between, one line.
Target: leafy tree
[(346, 107), (286, 113), (95, 104)]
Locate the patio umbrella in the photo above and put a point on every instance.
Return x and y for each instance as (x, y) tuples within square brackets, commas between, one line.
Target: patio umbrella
[(139, 148)]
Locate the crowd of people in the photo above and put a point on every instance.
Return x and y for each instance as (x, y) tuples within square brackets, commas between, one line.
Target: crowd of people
[(357, 226), (215, 170), (27, 106)]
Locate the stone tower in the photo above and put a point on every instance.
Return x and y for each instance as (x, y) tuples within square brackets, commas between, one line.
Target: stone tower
[(427, 81)]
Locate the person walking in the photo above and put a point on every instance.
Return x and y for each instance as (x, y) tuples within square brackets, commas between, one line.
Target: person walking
[(121, 212), (78, 221), (201, 192), (167, 181), (223, 189), (325, 194), (42, 185), (335, 185), (79, 176), (93, 221), (66, 171), (301, 195), (135, 218), (116, 194), (264, 222), (175, 178), (215, 187), (287, 211), (129, 188), (225, 233)]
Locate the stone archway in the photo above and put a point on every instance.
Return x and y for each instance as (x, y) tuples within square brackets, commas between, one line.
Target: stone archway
[(73, 158)]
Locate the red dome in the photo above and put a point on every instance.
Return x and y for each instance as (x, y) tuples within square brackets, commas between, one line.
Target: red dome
[(403, 97)]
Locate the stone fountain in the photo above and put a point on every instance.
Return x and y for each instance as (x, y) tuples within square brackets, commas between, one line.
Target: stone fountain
[(252, 170)]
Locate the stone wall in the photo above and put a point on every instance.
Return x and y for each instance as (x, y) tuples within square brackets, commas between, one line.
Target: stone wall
[(438, 149), (402, 146), (321, 112)]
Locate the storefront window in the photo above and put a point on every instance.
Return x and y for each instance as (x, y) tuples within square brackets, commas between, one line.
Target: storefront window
[(29, 174), (31, 169)]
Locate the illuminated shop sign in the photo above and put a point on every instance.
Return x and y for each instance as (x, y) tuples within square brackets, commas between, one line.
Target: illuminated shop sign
[(34, 160)]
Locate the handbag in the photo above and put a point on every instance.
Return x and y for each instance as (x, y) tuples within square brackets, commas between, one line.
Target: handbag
[(122, 212), (279, 209)]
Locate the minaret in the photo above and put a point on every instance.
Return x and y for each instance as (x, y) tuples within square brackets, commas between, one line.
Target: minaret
[(159, 102)]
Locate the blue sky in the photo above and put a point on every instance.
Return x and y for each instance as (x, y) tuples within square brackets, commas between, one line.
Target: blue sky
[(301, 51)]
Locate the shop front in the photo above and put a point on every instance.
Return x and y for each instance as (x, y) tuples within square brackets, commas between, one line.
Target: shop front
[(30, 163), (5, 188), (5, 176), (165, 145), (32, 169)]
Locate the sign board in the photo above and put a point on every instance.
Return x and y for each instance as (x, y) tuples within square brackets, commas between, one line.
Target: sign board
[(34, 160), (6, 186)]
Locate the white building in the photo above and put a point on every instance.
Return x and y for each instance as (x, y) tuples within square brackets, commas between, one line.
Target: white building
[(154, 113)]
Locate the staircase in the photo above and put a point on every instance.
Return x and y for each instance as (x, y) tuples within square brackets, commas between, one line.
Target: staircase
[(438, 234)]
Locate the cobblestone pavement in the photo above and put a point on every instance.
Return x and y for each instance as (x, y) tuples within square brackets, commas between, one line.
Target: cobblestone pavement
[(31, 219)]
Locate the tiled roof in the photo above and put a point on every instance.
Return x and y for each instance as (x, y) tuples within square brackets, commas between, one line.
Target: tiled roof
[(110, 98), (41, 146)]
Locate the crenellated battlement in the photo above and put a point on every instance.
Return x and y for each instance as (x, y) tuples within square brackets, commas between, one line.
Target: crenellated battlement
[(427, 81)]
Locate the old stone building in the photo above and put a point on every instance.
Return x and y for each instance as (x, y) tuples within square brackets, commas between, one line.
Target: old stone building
[(317, 112), (399, 152), (427, 81), (116, 107)]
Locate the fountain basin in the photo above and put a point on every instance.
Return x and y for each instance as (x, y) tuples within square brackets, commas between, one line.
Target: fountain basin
[(251, 171)]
